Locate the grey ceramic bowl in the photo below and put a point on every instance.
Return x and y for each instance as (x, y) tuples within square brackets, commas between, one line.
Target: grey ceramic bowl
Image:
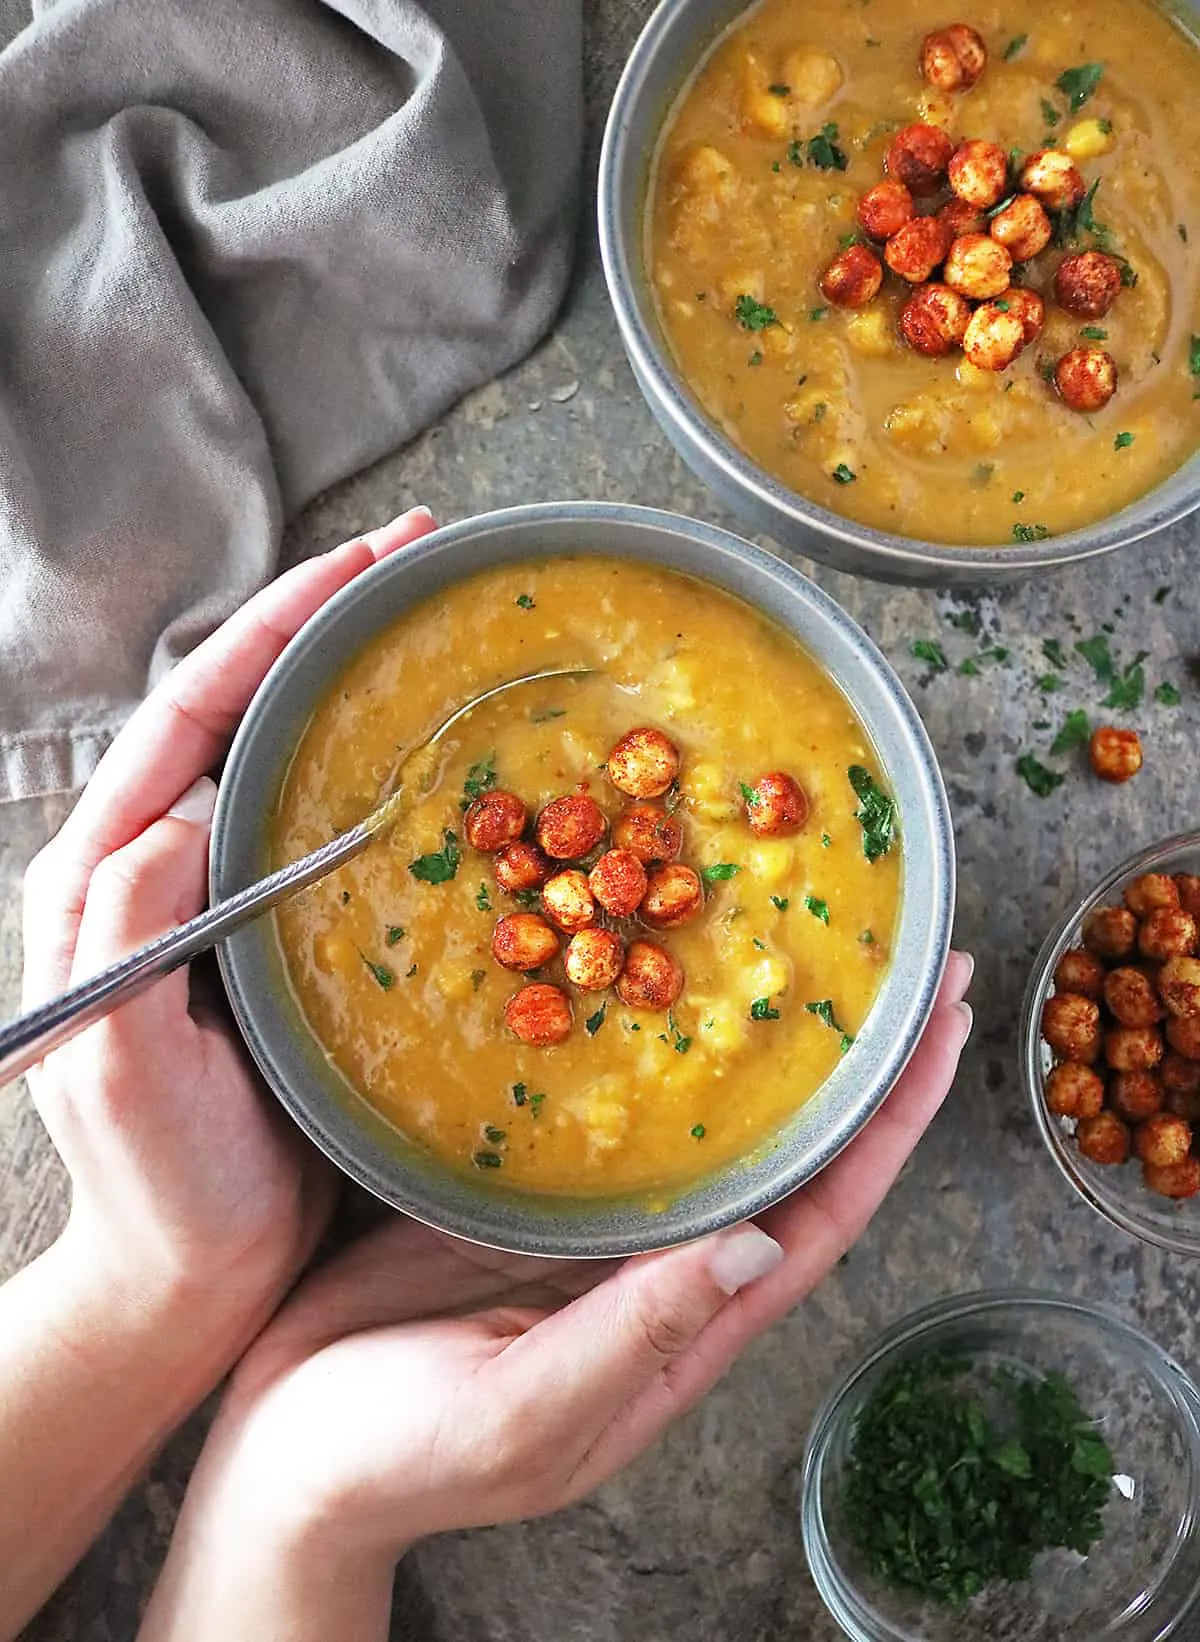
[(342, 1124), (671, 46)]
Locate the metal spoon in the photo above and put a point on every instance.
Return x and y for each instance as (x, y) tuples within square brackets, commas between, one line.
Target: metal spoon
[(30, 1037)]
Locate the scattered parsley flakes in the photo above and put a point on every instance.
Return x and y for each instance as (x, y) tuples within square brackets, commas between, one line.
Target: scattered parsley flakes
[(866, 938), (481, 899), (1123, 441), (519, 1094), (526, 601), (844, 475), (780, 90), (751, 796), (824, 1011), (439, 866), (1014, 46), (490, 1132), (817, 314), (780, 902), (487, 1160), (1167, 694), (719, 871), (756, 357), (1040, 781), (697, 1131), (478, 976), (681, 1043), (1048, 683), (410, 972), (929, 650), (761, 946), (1030, 533), (818, 908), (752, 315), (1077, 84), (760, 1010), (1074, 733), (1050, 114), (385, 977), (1128, 687), (1194, 361), (821, 150), (876, 813), (1094, 333), (395, 933), (481, 778), (1018, 496), (545, 714), (596, 1021), (826, 840), (1054, 652)]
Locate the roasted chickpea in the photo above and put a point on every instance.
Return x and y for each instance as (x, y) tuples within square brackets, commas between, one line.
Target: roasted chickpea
[(977, 266), (594, 959), (570, 827), (915, 251), (1054, 177), (1071, 1026), (643, 763), (1103, 1138), (1176, 1180), (776, 804), (522, 940), (953, 58), (1148, 893), (1086, 378), (1179, 985), (1133, 1048), (1180, 1077), (1087, 284), (884, 209), (978, 173), (1168, 933), (651, 978), (521, 867), (1183, 1034), (1110, 932), (918, 157), (618, 881), (934, 320), (1135, 1096), (851, 280), (568, 900), (649, 833), (1023, 228), (957, 217), (1074, 1091), (673, 895), (1080, 971), (539, 1014), (1116, 755), (1131, 997), (994, 337), (1163, 1140), (1188, 885), (1028, 307), (494, 820)]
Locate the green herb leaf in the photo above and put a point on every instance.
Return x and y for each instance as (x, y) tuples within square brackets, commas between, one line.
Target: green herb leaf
[(1050, 114), (1014, 46), (823, 151), (682, 1044), (535, 1104), (1030, 533), (760, 1010), (526, 601), (410, 972), (546, 714), (1194, 356), (490, 1132), (1094, 333), (719, 871), (752, 315), (1074, 733), (1077, 84), (487, 1160), (930, 650), (876, 813), (481, 899), (817, 314), (826, 840), (439, 866), (384, 976), (1123, 441), (844, 475), (749, 793), (519, 1095), (478, 976), (395, 933), (756, 357), (818, 908), (1049, 682), (780, 90), (780, 902), (596, 1021), (824, 1010), (866, 938), (1037, 777), (481, 778), (1167, 695), (697, 1131), (1054, 652)]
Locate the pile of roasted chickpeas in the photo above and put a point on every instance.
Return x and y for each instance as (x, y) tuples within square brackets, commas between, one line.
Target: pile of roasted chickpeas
[(1124, 1024), (990, 222), (599, 894)]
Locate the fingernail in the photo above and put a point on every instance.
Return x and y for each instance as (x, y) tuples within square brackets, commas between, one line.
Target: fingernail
[(197, 803), (968, 958), (741, 1257), (374, 537), (967, 1015)]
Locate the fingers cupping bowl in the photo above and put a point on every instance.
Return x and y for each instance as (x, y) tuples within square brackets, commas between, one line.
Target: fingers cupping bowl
[(861, 266), (656, 939)]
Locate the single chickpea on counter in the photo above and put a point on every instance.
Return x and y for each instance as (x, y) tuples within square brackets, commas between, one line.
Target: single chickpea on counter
[(1116, 755)]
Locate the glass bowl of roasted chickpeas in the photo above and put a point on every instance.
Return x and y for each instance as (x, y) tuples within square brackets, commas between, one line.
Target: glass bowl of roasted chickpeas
[(1110, 1041)]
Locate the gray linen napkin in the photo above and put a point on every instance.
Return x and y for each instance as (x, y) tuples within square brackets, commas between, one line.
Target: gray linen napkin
[(246, 247)]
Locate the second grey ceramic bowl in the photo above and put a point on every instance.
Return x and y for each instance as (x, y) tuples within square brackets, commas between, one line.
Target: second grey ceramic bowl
[(669, 50), (354, 1135)]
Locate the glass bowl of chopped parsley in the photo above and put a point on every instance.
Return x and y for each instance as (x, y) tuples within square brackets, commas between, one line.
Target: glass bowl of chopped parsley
[(1007, 1465)]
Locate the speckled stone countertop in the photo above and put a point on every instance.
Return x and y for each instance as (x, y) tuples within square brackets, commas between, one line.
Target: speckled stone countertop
[(700, 1539)]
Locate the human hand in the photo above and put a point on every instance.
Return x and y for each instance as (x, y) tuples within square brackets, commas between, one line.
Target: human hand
[(418, 1384)]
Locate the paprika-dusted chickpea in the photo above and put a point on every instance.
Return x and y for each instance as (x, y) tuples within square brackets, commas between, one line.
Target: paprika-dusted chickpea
[(851, 280), (1116, 755), (618, 881), (1110, 932), (1188, 885), (651, 977), (978, 173), (1179, 985), (1023, 228), (1074, 1091), (1163, 1140), (648, 832), (521, 867), (1087, 284), (1054, 177), (1131, 997), (915, 251), (953, 58), (884, 209), (1133, 1048), (570, 827), (1028, 307), (1183, 1034), (934, 320), (494, 820), (1071, 1026), (1080, 971), (776, 804), (918, 157), (1103, 1138), (539, 1014), (1086, 379), (994, 337), (1135, 1096), (673, 895), (977, 266), (522, 940), (643, 763), (1176, 1180), (568, 900), (594, 959), (1170, 932), (1183, 1103), (1148, 893), (957, 217), (1180, 1076)]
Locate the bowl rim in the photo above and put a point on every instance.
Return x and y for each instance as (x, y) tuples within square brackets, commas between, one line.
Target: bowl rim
[(622, 165), (729, 556), (926, 1322), (1041, 979)]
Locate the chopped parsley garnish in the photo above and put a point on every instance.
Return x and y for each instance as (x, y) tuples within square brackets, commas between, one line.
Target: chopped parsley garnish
[(847, 240), (487, 1160), (1167, 694), (844, 475), (818, 908), (490, 1132), (866, 938), (1094, 333), (1037, 777), (760, 946), (816, 314), (780, 90), (826, 840), (1123, 441), (1030, 533), (821, 150), (749, 794), (478, 976), (519, 1094), (1128, 687), (410, 972), (760, 1010), (525, 601), (780, 902), (481, 899), (1049, 682), (876, 813), (345, 897), (824, 1011), (1050, 114), (439, 866), (754, 316), (756, 357), (1077, 84), (697, 1131), (395, 933), (385, 977), (546, 714), (1015, 45), (535, 1104), (481, 778), (1074, 733), (596, 1021), (719, 871), (1194, 361), (1161, 595), (931, 651), (1181, 230), (1054, 652), (682, 1044)]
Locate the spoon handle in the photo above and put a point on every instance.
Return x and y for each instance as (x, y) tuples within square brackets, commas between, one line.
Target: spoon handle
[(30, 1037)]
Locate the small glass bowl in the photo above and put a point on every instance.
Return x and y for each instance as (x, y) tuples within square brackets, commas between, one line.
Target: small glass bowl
[(1117, 1192), (1142, 1577)]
